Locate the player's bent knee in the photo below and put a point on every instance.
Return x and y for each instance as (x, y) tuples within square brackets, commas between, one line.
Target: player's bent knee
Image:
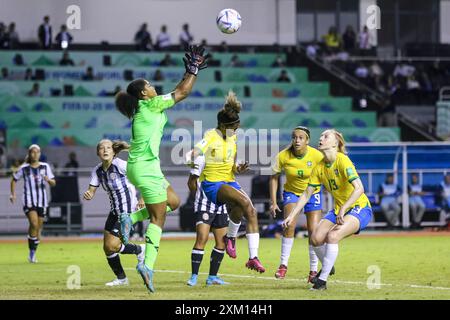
[(317, 240), (333, 237)]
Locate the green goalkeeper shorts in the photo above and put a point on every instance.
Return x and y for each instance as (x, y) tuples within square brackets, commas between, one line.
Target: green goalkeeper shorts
[(149, 179)]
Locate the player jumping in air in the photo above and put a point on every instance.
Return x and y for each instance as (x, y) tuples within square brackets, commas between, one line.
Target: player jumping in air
[(208, 216), (352, 210), (34, 198), (297, 160), (219, 183), (146, 108), (111, 175)]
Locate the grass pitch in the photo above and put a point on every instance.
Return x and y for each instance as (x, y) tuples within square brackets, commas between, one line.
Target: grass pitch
[(411, 267)]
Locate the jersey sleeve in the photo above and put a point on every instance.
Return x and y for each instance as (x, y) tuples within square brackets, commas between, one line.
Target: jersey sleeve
[(49, 172), (159, 103), (95, 182), (314, 178), (203, 144), (18, 174), (277, 165), (122, 166), (349, 170), (200, 162)]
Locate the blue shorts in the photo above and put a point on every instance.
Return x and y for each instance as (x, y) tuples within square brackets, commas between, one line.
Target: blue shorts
[(211, 189), (314, 203), (364, 216)]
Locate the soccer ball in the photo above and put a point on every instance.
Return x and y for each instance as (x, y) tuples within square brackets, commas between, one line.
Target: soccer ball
[(228, 21)]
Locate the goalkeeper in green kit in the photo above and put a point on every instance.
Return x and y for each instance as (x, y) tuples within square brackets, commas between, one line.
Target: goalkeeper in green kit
[(145, 108)]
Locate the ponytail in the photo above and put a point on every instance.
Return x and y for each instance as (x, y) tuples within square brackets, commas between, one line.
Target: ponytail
[(119, 145), (128, 102), (230, 113)]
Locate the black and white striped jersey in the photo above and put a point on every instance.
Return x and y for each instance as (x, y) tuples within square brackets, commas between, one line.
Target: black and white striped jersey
[(121, 193), (201, 203), (34, 189)]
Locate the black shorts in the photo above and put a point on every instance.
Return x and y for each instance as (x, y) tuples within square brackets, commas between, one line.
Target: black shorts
[(112, 225), (41, 211), (214, 220)]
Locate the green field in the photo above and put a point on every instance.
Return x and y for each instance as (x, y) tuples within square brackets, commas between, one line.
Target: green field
[(411, 268)]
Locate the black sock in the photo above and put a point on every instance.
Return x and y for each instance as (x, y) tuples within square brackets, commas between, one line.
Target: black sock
[(33, 243), (130, 249), (116, 266), (216, 259), (196, 259)]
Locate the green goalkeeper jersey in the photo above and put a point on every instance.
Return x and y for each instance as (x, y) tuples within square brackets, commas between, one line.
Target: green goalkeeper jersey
[(148, 127)]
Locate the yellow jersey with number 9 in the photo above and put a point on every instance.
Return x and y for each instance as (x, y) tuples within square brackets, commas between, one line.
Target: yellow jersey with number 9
[(337, 178), (219, 156), (297, 169)]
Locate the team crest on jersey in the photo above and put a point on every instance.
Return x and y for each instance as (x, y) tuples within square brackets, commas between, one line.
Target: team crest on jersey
[(112, 176), (42, 172), (205, 216), (309, 163), (213, 152)]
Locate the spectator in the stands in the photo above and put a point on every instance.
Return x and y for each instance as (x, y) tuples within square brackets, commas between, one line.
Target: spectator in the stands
[(45, 34), (28, 75), (223, 47), (66, 60), (167, 61), (364, 41), (389, 191), (279, 62), (361, 71), (235, 61), (207, 47), (12, 37), (186, 37), (72, 163), (2, 35), (213, 62), (312, 49), (283, 77), (332, 40), (143, 39), (416, 203), (404, 70), (444, 188), (158, 76), (63, 38), (5, 74), (163, 39), (35, 91), (349, 39), (414, 89), (89, 75)]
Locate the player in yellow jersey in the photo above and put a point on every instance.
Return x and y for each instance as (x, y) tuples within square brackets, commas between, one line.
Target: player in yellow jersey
[(219, 183), (297, 161), (352, 210)]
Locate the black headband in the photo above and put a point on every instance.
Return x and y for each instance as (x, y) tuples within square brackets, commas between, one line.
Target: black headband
[(304, 129)]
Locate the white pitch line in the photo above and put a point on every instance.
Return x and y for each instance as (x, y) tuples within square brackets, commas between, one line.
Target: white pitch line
[(304, 279)]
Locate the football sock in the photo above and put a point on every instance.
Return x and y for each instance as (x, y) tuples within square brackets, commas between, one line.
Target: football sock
[(286, 247), (313, 259), (152, 238), (130, 248), (329, 260), (116, 266), (33, 243), (233, 229), (320, 251), (139, 215), (196, 259), (253, 244), (216, 259)]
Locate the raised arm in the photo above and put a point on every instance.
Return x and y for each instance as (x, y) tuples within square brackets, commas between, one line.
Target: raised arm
[(194, 61)]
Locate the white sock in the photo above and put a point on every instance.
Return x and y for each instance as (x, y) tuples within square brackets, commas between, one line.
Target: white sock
[(253, 244), (286, 246), (320, 251), (313, 259), (329, 260), (233, 229)]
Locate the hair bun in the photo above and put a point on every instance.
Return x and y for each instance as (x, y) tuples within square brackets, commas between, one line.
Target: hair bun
[(232, 105)]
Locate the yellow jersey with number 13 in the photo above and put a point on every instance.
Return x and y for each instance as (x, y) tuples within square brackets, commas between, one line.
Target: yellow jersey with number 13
[(337, 178)]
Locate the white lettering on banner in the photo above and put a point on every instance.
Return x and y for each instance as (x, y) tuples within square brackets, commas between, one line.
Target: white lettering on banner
[(374, 19), (74, 20)]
